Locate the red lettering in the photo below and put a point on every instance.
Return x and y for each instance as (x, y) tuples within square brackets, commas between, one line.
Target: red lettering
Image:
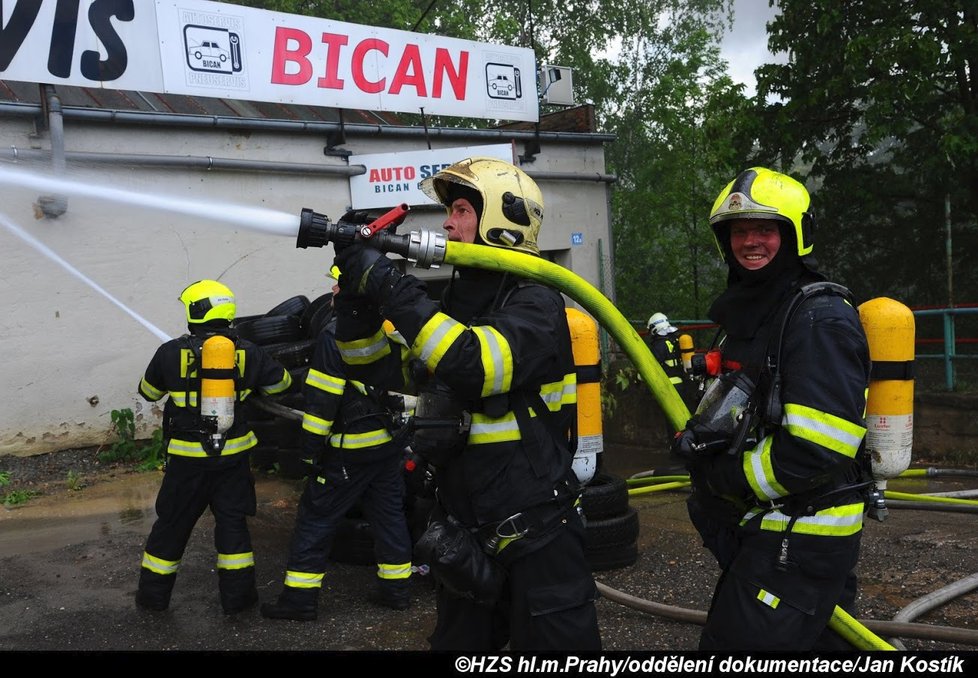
[(334, 42), (409, 172), (374, 176), (409, 72), (282, 55), (445, 68), (359, 53)]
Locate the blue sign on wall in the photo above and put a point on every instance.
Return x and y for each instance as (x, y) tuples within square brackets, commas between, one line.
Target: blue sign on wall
[(577, 238)]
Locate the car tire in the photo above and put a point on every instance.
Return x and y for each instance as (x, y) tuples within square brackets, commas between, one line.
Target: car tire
[(605, 496)]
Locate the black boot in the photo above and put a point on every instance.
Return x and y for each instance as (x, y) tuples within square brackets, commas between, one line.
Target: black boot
[(395, 595), (154, 590), (238, 590), (293, 603)]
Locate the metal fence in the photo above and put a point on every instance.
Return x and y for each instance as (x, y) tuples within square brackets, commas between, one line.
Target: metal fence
[(946, 346)]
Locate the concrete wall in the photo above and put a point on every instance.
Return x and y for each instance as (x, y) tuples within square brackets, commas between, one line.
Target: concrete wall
[(71, 355)]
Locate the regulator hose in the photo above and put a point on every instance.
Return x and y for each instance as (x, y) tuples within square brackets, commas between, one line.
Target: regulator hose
[(609, 317)]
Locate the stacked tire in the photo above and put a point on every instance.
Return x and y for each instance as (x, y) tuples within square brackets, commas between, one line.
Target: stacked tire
[(611, 537)]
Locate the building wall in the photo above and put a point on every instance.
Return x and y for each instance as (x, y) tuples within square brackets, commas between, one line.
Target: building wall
[(72, 355)]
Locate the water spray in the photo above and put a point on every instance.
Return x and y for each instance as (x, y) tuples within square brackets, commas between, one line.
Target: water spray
[(50, 254)]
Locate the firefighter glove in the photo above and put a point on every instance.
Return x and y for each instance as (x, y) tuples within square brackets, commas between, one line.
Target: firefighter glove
[(366, 271)]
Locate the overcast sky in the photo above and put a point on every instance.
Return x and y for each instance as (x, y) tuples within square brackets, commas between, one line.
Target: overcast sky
[(745, 48)]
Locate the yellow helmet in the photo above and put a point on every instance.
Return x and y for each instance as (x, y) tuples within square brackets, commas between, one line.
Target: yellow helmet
[(512, 204), (207, 300), (760, 193)]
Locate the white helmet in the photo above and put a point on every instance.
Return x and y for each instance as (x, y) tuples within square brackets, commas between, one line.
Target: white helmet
[(659, 324)]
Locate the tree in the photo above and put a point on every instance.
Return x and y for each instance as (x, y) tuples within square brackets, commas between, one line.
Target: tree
[(879, 107)]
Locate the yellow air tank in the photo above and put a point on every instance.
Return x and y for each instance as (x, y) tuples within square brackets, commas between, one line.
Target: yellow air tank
[(587, 360), (217, 387), (889, 327), (686, 350)]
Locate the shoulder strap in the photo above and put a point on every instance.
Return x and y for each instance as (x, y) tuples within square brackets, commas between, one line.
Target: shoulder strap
[(772, 407)]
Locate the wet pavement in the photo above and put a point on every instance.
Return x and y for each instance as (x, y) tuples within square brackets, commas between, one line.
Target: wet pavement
[(69, 564)]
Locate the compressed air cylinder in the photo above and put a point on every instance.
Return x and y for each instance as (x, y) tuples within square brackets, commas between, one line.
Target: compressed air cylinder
[(889, 327), (587, 360), (686, 350), (217, 382)]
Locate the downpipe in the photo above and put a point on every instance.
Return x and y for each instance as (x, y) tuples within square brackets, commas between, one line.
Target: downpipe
[(427, 249)]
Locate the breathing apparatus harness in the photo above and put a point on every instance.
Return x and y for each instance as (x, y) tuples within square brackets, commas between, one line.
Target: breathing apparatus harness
[(763, 411)]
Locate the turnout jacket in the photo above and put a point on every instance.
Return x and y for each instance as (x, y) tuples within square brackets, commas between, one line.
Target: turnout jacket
[(503, 349), (799, 460), (173, 372), (342, 414)]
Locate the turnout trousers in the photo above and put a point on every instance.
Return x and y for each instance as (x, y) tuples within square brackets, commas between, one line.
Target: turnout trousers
[(325, 501), (763, 604), (190, 486), (547, 603)]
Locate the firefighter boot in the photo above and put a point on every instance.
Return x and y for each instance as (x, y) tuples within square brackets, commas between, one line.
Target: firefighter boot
[(154, 590), (238, 590), (393, 594), (293, 603)]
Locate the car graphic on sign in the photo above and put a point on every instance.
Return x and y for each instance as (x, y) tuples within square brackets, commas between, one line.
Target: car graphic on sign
[(503, 81), (212, 50)]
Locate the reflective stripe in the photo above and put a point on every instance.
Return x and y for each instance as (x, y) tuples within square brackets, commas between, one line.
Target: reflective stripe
[(179, 398), (149, 390), (497, 360), (235, 561), (304, 580), (558, 394), (364, 351), (388, 571), (325, 382), (760, 472), (435, 338), (768, 599), (356, 441), (282, 385), (316, 425), (493, 430), (160, 566), (822, 428), (836, 521), (187, 448)]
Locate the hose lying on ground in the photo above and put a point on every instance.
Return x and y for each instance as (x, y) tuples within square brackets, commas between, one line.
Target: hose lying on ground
[(933, 600), (945, 634)]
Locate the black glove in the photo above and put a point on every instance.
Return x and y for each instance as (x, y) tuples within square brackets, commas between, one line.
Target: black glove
[(359, 217), (697, 443), (366, 271), (357, 316)]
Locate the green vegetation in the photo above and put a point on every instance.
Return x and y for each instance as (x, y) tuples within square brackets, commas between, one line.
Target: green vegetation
[(147, 454), (74, 481), (13, 497)]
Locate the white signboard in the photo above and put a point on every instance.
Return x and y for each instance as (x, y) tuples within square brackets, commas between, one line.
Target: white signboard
[(202, 48), (395, 178)]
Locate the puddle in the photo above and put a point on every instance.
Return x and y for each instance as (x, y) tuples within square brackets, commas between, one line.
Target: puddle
[(122, 504)]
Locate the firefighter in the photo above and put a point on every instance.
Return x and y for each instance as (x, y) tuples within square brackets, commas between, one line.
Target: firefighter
[(207, 441), (778, 499), (494, 356), (350, 433), (663, 340)]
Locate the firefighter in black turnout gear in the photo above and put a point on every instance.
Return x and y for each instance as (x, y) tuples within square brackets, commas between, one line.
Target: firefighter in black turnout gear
[(778, 487), (494, 357), (207, 441), (350, 434)]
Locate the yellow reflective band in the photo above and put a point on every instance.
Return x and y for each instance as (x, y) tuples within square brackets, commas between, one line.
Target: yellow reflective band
[(189, 448), (160, 566), (822, 428), (316, 425), (558, 394), (235, 561), (837, 521), (282, 385), (149, 390), (304, 580), (493, 430), (357, 441), (497, 360), (435, 338), (388, 571), (325, 382), (768, 599), (760, 472), (187, 363), (364, 351)]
